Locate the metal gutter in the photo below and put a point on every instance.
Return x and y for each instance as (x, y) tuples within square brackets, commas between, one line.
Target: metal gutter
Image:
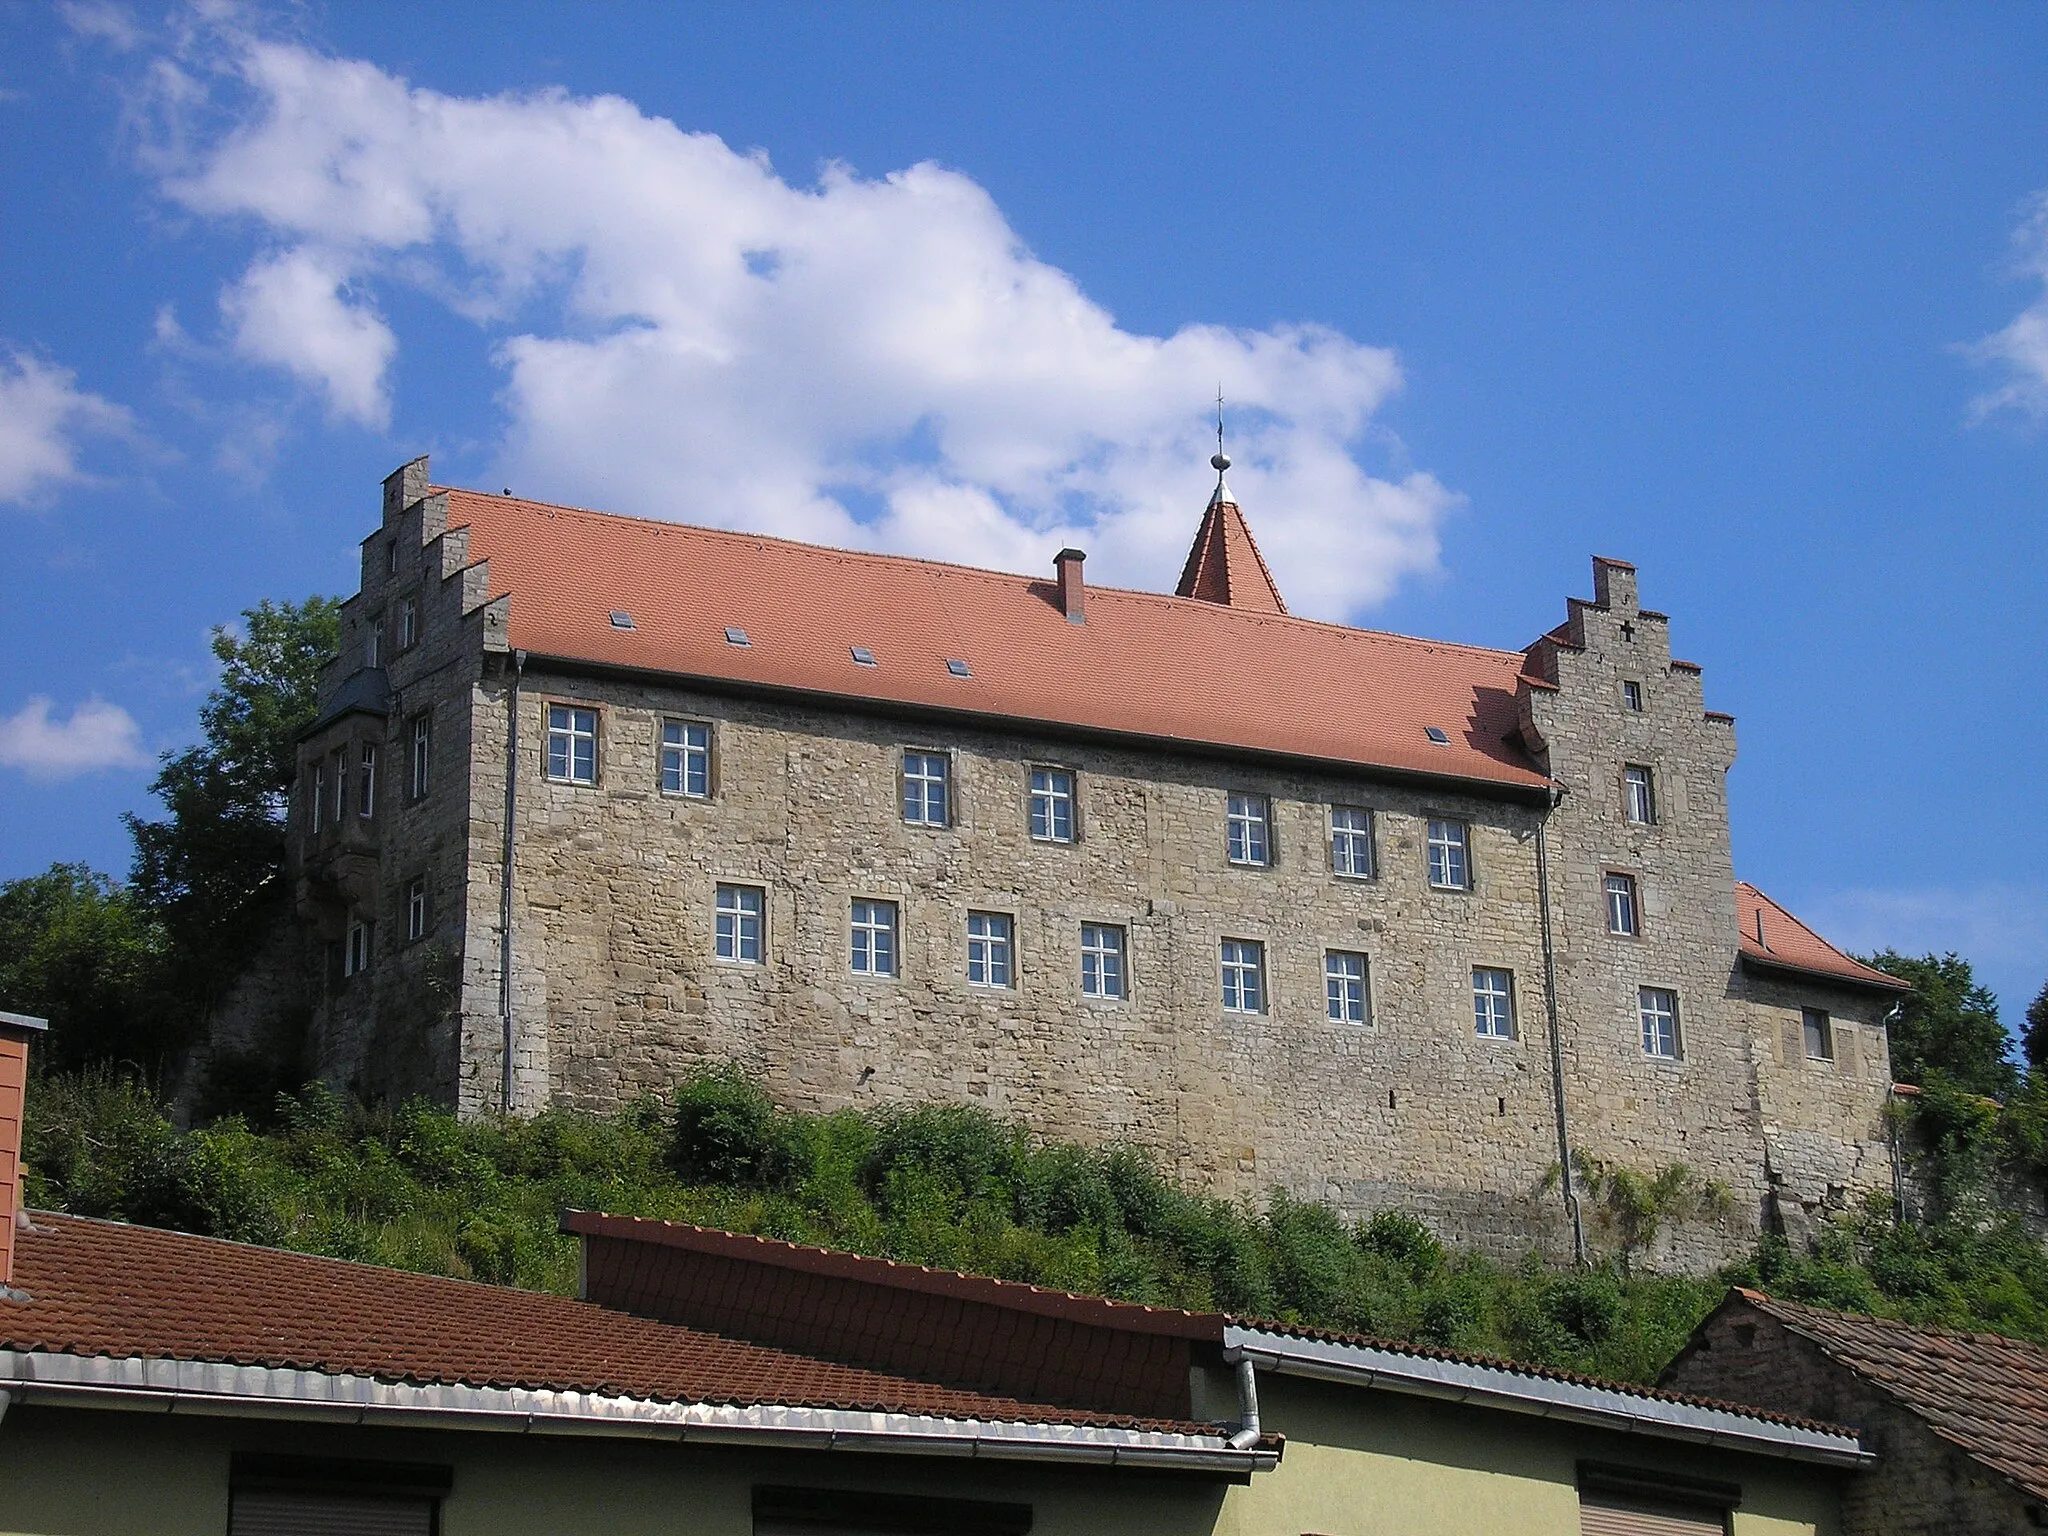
[(216, 1389), (1519, 792), (1572, 1402)]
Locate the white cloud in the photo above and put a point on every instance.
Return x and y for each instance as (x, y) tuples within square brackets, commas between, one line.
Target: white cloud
[(684, 333), (43, 414), (2000, 928), (288, 310), (2021, 349), (102, 22), (98, 735)]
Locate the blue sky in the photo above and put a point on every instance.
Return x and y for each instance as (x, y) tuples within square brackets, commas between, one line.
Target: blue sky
[(1753, 296)]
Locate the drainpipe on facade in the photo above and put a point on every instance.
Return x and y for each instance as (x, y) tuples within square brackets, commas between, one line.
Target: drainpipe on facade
[(505, 877), (1891, 1121), (1248, 1431), (1564, 1141)]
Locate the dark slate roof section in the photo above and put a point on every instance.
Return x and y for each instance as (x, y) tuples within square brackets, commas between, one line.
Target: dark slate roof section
[(365, 692)]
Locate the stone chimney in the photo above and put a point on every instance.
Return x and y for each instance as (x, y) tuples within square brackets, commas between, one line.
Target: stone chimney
[(1073, 590), (15, 1030)]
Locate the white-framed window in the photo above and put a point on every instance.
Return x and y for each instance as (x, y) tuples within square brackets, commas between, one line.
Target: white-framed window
[(1493, 1003), (1102, 960), (339, 774), (1450, 855), (927, 798), (1639, 794), (1632, 696), (1249, 822), (1351, 841), (408, 623), (1244, 976), (355, 949), (1622, 913), (422, 753), (319, 794), (1820, 1034), (572, 744), (373, 641), (1052, 805), (366, 782), (739, 923), (989, 949), (1657, 1011), (416, 909), (685, 758), (1344, 987), (873, 926)]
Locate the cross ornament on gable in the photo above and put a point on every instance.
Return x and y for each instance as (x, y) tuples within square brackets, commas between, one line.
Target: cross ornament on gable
[(1628, 631)]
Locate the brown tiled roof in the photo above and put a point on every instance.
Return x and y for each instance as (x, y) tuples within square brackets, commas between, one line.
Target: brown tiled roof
[(1535, 1372), (1981, 1392), (1784, 942), (993, 1335), (107, 1289), (1145, 664), (1224, 564)]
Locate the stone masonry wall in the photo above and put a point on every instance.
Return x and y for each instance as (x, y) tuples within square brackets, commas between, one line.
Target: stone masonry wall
[(1920, 1485)]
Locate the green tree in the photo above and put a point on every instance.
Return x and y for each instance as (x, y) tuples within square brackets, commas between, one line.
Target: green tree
[(210, 872), (78, 950), (1948, 1024), (2036, 1041)]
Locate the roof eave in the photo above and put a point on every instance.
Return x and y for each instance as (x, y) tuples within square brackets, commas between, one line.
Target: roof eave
[(224, 1389), (1488, 1386), (1508, 789), (1810, 972)]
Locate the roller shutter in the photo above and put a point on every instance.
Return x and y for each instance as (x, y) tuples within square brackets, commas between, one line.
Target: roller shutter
[(1615, 1514), (267, 1512)]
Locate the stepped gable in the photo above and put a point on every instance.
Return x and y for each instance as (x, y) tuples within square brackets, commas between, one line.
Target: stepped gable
[(1774, 939), (1180, 670), (104, 1289)]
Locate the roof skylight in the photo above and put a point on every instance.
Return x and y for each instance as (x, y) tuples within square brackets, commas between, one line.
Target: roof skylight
[(1436, 735), (959, 668), (621, 620), (865, 656), (734, 635)]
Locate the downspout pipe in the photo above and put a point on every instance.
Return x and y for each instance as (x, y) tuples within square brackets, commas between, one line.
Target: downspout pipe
[(1564, 1140), (505, 879), (1248, 1433)]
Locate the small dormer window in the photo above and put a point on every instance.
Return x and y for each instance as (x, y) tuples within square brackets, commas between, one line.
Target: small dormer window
[(959, 669), (734, 635), (621, 619), (864, 657), (1436, 734)]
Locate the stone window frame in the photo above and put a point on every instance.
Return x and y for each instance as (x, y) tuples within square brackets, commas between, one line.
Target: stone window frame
[(599, 731), (1122, 953), (895, 930), (661, 749), (1372, 842), (358, 946), (419, 758), (373, 640), (1007, 938), (419, 909), (945, 755), (1368, 1014), (1650, 797), (1644, 993), (1266, 821), (411, 622), (1257, 964), (1073, 797), (366, 780), (1471, 885), (391, 557), (1632, 695), (1513, 1033), (319, 797), (338, 758), (740, 888), (1635, 890), (1827, 1053)]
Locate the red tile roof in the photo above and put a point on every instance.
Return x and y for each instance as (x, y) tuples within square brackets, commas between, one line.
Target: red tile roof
[(1148, 665), (1773, 937), (1224, 564), (1981, 1392), (996, 1336), (106, 1289)]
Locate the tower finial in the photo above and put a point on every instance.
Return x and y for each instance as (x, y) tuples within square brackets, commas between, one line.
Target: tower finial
[(1221, 460)]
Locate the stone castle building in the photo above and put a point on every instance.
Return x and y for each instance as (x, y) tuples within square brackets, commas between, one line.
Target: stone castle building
[(594, 802)]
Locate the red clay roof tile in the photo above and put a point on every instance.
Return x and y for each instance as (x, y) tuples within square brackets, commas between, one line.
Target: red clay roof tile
[(1773, 937), (1224, 564)]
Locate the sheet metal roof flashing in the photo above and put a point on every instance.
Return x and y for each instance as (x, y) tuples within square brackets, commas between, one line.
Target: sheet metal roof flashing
[(1574, 1401)]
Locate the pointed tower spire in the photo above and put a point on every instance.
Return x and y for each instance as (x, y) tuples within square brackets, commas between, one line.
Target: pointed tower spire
[(1225, 565)]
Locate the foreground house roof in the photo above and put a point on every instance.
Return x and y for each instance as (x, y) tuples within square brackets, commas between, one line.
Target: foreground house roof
[(102, 1310), (1217, 670), (1773, 939), (1983, 1393)]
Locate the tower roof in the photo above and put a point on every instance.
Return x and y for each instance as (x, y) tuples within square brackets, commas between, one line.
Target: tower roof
[(1225, 565)]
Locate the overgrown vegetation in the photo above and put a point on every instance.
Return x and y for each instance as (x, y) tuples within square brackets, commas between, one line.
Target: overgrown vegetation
[(953, 1186)]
